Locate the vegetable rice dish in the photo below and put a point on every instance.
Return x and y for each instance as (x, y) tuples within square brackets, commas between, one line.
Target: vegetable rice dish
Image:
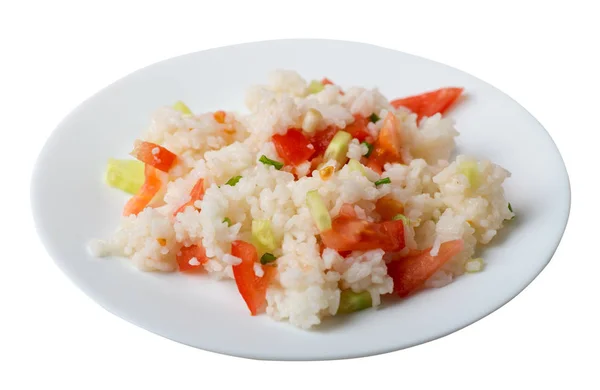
[(316, 201)]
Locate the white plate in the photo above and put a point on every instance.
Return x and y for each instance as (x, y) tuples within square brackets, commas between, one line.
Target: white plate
[(71, 204)]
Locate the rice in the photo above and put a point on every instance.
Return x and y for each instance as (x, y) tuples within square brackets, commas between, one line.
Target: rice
[(440, 202)]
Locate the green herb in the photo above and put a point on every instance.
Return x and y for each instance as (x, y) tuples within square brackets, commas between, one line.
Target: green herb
[(511, 210), (374, 118), (385, 180), (369, 147), (403, 218), (233, 181), (267, 258), (267, 161), (227, 221)]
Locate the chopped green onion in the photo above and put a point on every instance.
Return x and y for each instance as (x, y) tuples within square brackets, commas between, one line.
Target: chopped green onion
[(126, 175), (356, 166), (374, 118), (182, 108), (233, 181), (385, 180), (474, 265), (338, 147), (315, 87), (511, 210), (351, 301), (318, 210), (227, 221), (369, 147), (262, 235), (267, 161), (267, 258), (403, 218)]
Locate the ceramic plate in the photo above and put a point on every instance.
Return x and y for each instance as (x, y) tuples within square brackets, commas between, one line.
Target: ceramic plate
[(71, 203)]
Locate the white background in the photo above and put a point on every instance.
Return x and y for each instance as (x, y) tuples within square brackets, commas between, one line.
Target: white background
[(57, 53)]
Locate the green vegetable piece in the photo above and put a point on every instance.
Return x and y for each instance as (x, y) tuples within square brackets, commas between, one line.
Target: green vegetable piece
[(403, 218), (338, 147), (471, 171), (374, 118), (315, 87), (369, 147), (181, 107), (262, 235), (233, 181), (267, 258), (319, 212), (356, 166), (510, 207), (351, 301), (474, 265), (385, 180), (267, 161), (126, 175), (227, 221)]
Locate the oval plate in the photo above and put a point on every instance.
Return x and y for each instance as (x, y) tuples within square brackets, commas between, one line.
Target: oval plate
[(71, 203)]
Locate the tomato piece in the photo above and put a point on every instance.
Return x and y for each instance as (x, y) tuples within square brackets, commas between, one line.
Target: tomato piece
[(219, 116), (321, 139), (149, 189), (388, 207), (429, 103), (252, 288), (197, 193), (347, 210), (326, 81), (349, 233), (293, 147), (187, 253), (358, 128), (388, 145), (153, 154), (409, 273)]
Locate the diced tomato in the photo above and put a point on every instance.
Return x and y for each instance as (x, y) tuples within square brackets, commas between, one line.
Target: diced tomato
[(197, 193), (146, 193), (349, 233), (187, 253), (347, 211), (153, 154), (429, 103), (388, 207), (326, 81), (252, 288), (219, 116), (409, 273), (321, 139), (358, 128), (387, 147), (293, 147)]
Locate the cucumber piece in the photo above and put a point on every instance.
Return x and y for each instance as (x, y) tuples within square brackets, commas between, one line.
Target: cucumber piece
[(318, 210), (338, 147), (126, 175), (262, 235), (351, 301), (182, 108)]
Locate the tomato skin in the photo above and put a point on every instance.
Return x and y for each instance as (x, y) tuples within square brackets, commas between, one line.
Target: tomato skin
[(358, 128), (410, 273), (293, 147), (252, 288), (155, 155), (326, 81), (321, 139), (197, 193), (429, 103), (150, 188), (349, 233), (187, 253)]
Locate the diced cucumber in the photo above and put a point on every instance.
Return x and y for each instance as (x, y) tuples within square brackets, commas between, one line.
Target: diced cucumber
[(356, 166), (126, 175), (403, 218), (318, 210), (263, 236), (351, 301), (315, 86), (474, 265), (338, 147), (471, 171), (181, 107)]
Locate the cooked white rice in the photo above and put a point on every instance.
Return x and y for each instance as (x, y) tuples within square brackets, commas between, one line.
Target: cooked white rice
[(437, 197)]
